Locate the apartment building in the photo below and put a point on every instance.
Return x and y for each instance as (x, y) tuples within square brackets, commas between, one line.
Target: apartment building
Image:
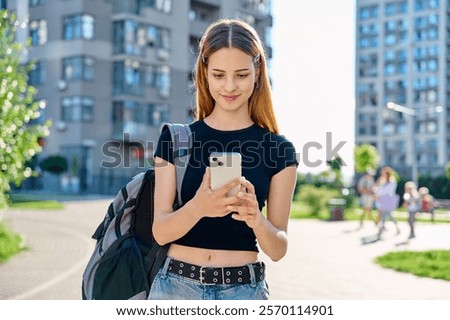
[(402, 83), (113, 71)]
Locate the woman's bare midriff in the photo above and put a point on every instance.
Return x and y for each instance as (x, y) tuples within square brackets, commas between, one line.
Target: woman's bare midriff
[(212, 257)]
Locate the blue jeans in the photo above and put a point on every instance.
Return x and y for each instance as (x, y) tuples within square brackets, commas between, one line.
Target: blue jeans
[(170, 286), (384, 215)]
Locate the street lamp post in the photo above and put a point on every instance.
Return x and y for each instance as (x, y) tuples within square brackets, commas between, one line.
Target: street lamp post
[(412, 113)]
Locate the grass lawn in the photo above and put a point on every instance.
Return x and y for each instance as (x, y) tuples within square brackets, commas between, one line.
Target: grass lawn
[(38, 205), (301, 210), (431, 264), (24, 202)]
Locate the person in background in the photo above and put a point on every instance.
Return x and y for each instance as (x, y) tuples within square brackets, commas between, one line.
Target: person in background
[(366, 190), (386, 198), (411, 201), (426, 202)]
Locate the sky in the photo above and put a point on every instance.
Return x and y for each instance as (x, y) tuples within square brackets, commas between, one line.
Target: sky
[(312, 73)]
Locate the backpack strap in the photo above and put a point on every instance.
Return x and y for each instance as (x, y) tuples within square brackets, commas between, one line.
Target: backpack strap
[(182, 146)]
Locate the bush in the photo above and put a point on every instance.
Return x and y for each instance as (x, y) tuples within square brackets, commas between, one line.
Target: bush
[(10, 243), (317, 198), (55, 164)]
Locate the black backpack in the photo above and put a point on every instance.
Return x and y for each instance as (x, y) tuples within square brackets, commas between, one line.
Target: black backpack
[(126, 257)]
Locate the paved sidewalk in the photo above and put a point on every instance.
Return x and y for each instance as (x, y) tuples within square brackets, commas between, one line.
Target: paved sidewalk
[(325, 260)]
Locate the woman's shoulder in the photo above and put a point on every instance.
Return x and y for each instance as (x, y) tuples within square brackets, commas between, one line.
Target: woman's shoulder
[(275, 137)]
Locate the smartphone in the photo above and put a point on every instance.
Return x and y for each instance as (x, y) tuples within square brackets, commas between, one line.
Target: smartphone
[(225, 167)]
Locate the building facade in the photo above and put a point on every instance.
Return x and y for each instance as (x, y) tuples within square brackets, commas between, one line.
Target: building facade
[(402, 61), (112, 72)]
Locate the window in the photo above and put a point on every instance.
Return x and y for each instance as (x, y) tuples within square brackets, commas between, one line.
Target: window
[(77, 109), (368, 36), (135, 6), (131, 77), (389, 69), (432, 65), (426, 28), (78, 68), (392, 8), (368, 65), (78, 27), (38, 32), (425, 59), (163, 81), (130, 112), (369, 12), (160, 5), (34, 3), (420, 5), (128, 77), (132, 38), (433, 51), (158, 114), (37, 74), (158, 37)]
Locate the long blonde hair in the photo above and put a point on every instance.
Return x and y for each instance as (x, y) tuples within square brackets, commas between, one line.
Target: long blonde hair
[(387, 175), (232, 33)]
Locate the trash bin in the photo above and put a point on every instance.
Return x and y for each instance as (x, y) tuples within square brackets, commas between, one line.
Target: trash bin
[(337, 207)]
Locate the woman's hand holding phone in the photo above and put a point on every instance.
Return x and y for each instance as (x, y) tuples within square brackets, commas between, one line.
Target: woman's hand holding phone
[(214, 203), (247, 210)]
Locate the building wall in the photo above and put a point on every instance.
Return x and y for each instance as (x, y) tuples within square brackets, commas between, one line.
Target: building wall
[(401, 56)]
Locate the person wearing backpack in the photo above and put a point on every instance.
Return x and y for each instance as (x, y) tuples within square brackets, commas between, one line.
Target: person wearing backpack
[(214, 238)]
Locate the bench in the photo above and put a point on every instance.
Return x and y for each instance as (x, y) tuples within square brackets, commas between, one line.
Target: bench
[(444, 206), (442, 203)]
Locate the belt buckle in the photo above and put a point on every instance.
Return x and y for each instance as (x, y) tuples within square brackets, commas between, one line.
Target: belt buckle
[(202, 278)]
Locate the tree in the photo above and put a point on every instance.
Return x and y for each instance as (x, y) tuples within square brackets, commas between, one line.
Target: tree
[(447, 171), (366, 157), (18, 107), (55, 164), (335, 165)]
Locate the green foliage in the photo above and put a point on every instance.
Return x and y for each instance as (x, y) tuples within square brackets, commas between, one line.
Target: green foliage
[(55, 164), (336, 172), (18, 107), (335, 164), (432, 264), (10, 243), (439, 186), (447, 171), (316, 199), (323, 179), (366, 156)]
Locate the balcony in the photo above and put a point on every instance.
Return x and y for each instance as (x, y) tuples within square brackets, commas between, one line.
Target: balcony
[(213, 3), (261, 8), (135, 131), (202, 14)]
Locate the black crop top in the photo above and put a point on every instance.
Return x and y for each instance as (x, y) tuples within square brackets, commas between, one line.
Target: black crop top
[(264, 154)]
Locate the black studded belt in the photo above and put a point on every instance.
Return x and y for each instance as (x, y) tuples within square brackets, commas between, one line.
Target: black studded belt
[(217, 275)]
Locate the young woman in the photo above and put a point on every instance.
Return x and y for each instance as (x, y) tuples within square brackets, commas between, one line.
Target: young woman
[(215, 238), (387, 199)]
